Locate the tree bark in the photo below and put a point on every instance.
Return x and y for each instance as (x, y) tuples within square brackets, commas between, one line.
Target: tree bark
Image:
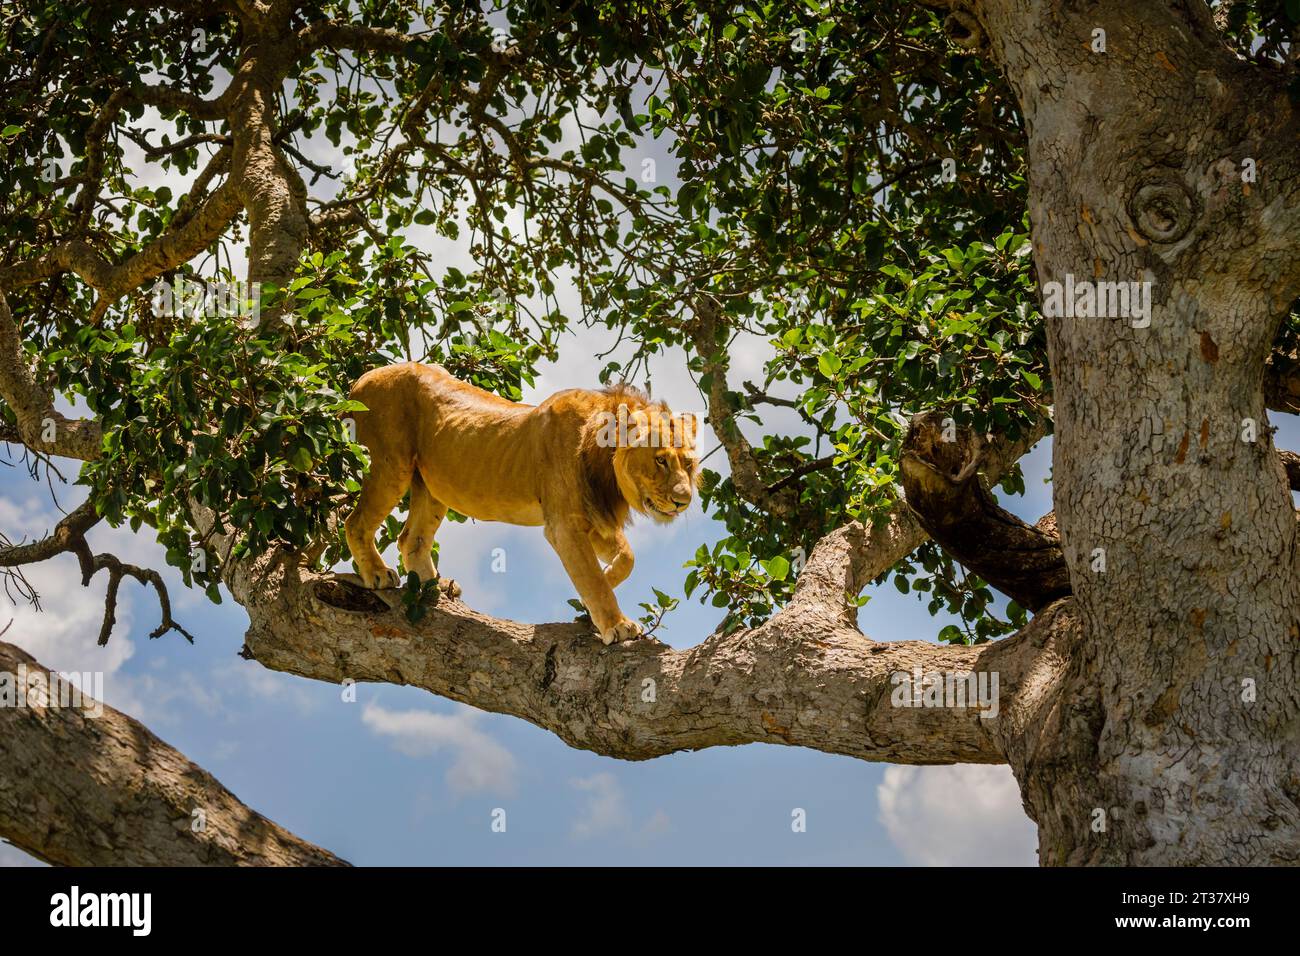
[(805, 678), (1181, 744), (89, 786), (942, 481)]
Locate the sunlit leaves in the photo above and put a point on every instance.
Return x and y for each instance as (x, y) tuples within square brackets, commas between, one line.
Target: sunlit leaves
[(843, 184)]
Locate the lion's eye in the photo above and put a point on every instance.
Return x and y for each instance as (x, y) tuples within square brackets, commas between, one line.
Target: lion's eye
[(662, 462)]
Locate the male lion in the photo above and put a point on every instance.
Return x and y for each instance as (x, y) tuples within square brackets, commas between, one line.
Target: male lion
[(577, 464)]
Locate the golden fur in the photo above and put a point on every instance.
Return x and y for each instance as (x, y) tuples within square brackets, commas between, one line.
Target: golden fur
[(564, 464)]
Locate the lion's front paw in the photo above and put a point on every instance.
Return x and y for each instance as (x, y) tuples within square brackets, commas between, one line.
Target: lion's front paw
[(624, 630), (449, 588), (383, 578)]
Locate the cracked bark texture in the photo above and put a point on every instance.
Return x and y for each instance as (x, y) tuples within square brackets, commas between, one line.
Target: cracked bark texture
[(1135, 160), (83, 790)]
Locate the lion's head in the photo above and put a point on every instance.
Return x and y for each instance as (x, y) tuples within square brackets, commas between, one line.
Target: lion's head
[(656, 465)]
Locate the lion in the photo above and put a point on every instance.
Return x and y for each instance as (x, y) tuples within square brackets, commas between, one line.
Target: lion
[(579, 465)]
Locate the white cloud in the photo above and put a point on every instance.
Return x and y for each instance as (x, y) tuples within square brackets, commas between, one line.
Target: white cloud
[(261, 683), (604, 811), (480, 764), (604, 808), (159, 694), (963, 815)]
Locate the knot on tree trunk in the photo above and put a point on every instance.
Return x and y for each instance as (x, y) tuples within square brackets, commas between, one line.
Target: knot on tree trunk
[(1162, 207), (348, 596)]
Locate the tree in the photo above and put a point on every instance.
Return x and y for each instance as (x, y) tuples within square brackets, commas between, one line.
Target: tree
[(901, 199)]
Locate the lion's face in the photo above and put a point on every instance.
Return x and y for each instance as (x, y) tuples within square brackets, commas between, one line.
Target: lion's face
[(658, 469)]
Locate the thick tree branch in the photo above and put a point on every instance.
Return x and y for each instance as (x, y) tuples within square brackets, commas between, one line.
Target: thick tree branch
[(269, 187), (172, 249), (169, 99), (800, 679), (1282, 382), (337, 35), (846, 560), (110, 793), (1291, 462), (943, 487), (1140, 167)]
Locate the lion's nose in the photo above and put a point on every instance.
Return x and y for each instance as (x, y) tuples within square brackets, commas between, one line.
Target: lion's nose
[(681, 502)]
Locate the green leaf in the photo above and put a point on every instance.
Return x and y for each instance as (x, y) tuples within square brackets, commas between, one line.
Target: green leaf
[(777, 567)]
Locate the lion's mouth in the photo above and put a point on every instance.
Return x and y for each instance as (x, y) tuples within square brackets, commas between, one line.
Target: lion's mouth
[(654, 509)]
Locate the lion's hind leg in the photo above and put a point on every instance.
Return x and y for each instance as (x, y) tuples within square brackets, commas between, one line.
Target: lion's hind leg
[(416, 540), (380, 492)]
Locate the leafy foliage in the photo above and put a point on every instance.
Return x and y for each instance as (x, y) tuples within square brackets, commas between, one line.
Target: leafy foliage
[(843, 184)]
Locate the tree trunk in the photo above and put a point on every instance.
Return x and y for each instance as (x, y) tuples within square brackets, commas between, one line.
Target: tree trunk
[(1178, 742)]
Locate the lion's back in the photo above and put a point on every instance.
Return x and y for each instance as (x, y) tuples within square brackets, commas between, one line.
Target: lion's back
[(481, 455)]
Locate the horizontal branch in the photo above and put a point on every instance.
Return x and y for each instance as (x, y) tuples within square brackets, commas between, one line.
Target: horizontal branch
[(801, 679), (65, 536), (86, 785), (338, 35), (170, 99), (170, 250)]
